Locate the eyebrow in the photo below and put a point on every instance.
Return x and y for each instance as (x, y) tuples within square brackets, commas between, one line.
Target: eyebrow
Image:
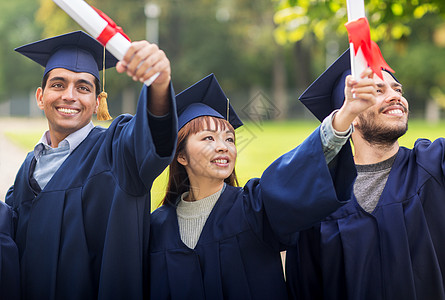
[(213, 130), (394, 84), (57, 79)]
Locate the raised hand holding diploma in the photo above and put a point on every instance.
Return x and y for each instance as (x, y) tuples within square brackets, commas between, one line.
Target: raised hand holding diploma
[(364, 51), (142, 62), (366, 60), (102, 28)]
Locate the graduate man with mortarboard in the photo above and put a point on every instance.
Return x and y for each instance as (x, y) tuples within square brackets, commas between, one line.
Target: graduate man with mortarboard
[(388, 242), (82, 196)]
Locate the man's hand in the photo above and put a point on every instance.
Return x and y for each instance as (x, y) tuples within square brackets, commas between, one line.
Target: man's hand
[(359, 96), (141, 62)]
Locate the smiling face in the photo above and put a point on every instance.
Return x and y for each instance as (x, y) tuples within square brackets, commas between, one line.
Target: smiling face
[(68, 100), (387, 120), (209, 154)]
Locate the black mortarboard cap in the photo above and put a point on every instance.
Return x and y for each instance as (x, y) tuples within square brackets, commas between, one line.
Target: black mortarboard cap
[(205, 98), (326, 93), (75, 51)]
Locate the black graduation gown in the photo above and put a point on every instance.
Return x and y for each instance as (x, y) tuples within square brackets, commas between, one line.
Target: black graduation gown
[(9, 256), (396, 252), (238, 253), (85, 234)]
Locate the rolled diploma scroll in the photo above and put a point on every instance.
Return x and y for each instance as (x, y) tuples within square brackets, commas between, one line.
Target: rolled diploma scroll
[(356, 10), (94, 24)]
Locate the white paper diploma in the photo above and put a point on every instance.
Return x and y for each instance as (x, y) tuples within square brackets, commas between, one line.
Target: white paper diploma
[(90, 20), (356, 10)]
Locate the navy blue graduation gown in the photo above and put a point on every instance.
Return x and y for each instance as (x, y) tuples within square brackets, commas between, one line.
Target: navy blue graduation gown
[(85, 234), (396, 252), (9, 256), (238, 253)]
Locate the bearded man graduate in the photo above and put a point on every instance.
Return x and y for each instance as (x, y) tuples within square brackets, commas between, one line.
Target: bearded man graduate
[(82, 195), (388, 242)]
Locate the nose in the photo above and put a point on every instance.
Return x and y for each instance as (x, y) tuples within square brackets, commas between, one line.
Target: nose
[(393, 96), (68, 94), (221, 146)]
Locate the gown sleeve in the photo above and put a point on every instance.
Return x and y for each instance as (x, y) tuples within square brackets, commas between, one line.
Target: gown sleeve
[(298, 190), (9, 256), (142, 146), (431, 156), (9, 196)]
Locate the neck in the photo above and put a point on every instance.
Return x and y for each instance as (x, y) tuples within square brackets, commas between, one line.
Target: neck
[(202, 188), (366, 153), (56, 138)]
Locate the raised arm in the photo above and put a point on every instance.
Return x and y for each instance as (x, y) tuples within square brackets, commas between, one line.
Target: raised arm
[(359, 96), (337, 127), (143, 146), (142, 61)]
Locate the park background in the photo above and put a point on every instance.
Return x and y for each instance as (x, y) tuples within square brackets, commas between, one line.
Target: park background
[(264, 53)]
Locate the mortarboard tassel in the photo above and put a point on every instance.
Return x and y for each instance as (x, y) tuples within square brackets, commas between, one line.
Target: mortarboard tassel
[(102, 111)]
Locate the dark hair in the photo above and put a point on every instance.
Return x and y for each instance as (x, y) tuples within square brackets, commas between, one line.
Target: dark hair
[(178, 181), (96, 83)]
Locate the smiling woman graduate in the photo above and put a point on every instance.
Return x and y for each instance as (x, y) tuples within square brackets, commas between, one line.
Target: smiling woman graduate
[(213, 240), (82, 195)]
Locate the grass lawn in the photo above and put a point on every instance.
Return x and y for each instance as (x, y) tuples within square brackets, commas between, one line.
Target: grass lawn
[(258, 145)]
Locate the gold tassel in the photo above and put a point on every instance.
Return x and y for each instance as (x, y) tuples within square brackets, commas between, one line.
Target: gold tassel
[(102, 111)]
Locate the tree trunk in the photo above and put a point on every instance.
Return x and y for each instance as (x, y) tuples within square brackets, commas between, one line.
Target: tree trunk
[(432, 112), (279, 85), (303, 66), (129, 101)]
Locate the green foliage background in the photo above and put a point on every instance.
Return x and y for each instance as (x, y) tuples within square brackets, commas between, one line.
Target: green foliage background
[(264, 45), (267, 142), (410, 33)]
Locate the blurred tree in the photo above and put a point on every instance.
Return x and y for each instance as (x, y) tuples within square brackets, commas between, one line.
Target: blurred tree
[(388, 19), (408, 30), (16, 28), (233, 39), (419, 61)]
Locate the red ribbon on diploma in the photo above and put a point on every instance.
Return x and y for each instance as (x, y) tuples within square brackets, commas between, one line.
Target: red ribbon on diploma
[(360, 36), (110, 30)]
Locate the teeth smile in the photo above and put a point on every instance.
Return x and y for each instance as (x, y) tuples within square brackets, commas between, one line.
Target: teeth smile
[(395, 112), (220, 161), (67, 110)]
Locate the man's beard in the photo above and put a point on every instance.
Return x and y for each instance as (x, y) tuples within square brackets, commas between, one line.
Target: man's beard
[(379, 134)]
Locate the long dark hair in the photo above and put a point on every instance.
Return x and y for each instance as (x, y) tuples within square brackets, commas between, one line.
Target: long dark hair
[(178, 181)]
